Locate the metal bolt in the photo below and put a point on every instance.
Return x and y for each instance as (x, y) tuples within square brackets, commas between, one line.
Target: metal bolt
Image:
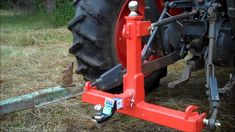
[(230, 76), (206, 121), (133, 6), (188, 46), (98, 107), (217, 124), (132, 101)]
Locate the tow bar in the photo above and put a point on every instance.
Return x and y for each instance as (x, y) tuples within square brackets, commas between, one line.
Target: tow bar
[(131, 101)]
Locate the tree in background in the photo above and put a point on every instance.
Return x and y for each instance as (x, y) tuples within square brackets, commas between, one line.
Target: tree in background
[(60, 11), (26, 5), (29, 5), (50, 5)]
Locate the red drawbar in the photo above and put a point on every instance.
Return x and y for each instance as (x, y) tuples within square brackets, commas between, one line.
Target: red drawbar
[(133, 87)]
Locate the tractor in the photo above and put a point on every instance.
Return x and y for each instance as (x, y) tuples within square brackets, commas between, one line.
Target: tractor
[(123, 48)]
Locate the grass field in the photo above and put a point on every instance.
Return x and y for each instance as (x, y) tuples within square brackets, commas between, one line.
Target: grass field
[(33, 55)]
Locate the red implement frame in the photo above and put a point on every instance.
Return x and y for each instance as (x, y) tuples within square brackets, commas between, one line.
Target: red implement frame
[(133, 87)]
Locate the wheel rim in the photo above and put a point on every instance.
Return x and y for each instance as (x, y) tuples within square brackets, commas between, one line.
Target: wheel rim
[(120, 42)]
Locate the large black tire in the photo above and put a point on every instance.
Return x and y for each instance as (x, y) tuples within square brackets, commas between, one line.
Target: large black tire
[(93, 31)]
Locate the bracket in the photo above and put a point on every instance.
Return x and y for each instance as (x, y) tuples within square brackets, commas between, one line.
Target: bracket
[(133, 86)]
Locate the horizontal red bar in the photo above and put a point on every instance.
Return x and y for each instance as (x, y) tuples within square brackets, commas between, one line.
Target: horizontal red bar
[(184, 121)]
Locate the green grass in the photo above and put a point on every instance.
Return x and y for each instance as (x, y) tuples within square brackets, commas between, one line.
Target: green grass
[(25, 30), (32, 50)]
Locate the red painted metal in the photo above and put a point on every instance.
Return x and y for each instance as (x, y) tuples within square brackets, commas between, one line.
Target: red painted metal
[(133, 87), (120, 41)]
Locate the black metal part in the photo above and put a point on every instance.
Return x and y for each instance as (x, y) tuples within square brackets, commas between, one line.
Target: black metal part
[(212, 119), (110, 79), (197, 63), (174, 18), (181, 4), (152, 36), (183, 50), (224, 51), (214, 94), (152, 14), (231, 13), (114, 77), (101, 117), (176, 36), (211, 80), (151, 10), (161, 62)]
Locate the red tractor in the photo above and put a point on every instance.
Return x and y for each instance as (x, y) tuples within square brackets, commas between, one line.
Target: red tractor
[(123, 49)]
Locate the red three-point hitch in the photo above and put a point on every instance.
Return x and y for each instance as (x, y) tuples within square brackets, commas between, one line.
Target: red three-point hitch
[(131, 101)]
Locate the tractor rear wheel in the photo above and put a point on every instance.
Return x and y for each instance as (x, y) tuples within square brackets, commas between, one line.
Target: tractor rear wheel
[(97, 41)]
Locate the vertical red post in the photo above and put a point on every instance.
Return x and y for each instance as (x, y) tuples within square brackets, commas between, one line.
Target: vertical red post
[(134, 30), (134, 79)]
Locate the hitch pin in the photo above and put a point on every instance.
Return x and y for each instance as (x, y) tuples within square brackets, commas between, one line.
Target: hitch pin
[(132, 101), (217, 123)]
